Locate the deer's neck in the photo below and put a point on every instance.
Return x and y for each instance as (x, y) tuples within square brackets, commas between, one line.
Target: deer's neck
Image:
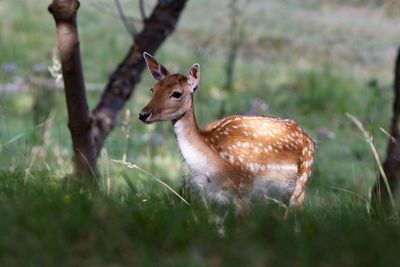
[(191, 143)]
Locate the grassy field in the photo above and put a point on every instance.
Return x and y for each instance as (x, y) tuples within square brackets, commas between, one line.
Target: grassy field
[(312, 61), (45, 225)]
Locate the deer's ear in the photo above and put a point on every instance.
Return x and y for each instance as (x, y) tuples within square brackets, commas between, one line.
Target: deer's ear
[(194, 77), (157, 70)]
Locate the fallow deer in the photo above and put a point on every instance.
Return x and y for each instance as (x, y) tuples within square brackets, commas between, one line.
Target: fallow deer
[(236, 158)]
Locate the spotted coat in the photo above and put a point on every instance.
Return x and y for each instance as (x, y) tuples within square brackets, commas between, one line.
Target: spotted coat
[(266, 156)]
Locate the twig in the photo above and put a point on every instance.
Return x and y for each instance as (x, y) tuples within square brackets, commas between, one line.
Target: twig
[(142, 10), (134, 166), (106, 9), (130, 27), (369, 138)]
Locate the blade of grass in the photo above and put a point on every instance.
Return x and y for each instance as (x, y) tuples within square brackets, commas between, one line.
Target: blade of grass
[(107, 166), (369, 139), (352, 193), (134, 166), (12, 140), (392, 139)]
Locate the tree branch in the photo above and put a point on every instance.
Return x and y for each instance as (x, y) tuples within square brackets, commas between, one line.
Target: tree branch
[(142, 10), (79, 120), (122, 82), (130, 27)]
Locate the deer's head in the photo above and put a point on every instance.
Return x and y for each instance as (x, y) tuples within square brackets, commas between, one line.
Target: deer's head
[(172, 93)]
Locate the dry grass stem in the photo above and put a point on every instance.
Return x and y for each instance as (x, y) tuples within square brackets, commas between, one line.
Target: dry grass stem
[(352, 193), (392, 139), (134, 166), (369, 138)]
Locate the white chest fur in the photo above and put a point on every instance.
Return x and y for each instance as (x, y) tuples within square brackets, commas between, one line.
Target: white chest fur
[(202, 174), (191, 151)]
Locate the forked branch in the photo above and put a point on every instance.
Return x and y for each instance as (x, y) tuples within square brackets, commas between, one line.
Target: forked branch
[(123, 80)]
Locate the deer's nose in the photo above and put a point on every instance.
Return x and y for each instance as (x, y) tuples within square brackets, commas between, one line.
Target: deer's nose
[(144, 115)]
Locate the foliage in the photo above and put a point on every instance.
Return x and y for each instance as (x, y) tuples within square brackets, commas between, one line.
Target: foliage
[(49, 224), (303, 67)]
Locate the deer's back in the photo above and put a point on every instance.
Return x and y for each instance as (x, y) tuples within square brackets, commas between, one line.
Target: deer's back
[(264, 153)]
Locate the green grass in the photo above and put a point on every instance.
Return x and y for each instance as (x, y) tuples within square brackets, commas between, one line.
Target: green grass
[(312, 61), (47, 224)]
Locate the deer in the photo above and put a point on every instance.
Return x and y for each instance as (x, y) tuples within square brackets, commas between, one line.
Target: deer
[(237, 158)]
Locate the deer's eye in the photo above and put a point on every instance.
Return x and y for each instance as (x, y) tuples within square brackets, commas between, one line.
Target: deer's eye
[(176, 94), (151, 90)]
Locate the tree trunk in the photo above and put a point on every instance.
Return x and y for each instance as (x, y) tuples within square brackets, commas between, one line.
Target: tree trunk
[(122, 82), (88, 136), (79, 119), (391, 166)]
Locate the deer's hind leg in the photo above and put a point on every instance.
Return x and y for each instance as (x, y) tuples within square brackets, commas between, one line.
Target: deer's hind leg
[(304, 173)]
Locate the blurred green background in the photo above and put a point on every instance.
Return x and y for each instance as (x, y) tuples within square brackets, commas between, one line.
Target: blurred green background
[(311, 61)]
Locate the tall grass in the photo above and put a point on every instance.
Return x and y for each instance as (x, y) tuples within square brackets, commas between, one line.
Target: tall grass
[(49, 224), (133, 220)]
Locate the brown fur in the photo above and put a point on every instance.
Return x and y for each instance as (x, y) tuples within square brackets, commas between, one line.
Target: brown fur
[(238, 155)]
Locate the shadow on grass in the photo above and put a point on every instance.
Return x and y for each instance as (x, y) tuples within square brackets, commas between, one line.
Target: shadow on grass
[(46, 224)]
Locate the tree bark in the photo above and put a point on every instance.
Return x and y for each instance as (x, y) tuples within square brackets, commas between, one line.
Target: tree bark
[(391, 166), (123, 80), (79, 119)]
